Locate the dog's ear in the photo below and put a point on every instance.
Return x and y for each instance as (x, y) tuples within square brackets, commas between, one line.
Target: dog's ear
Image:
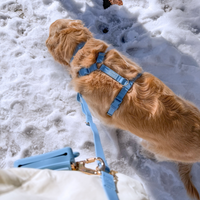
[(56, 46), (61, 26), (60, 31)]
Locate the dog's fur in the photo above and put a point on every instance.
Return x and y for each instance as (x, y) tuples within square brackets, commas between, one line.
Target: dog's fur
[(169, 125)]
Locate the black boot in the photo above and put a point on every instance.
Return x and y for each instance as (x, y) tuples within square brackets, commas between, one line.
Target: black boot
[(106, 4)]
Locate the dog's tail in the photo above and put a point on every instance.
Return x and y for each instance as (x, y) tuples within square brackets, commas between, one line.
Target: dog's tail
[(184, 171)]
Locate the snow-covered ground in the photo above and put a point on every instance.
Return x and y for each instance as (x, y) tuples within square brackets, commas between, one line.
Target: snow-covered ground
[(38, 108)]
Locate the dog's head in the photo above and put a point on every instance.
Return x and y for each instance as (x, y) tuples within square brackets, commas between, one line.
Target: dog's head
[(64, 36)]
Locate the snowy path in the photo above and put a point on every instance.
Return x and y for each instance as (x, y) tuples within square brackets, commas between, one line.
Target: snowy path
[(38, 108)]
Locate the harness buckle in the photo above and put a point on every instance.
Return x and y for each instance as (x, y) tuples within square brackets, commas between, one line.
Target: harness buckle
[(80, 166), (117, 100), (84, 71)]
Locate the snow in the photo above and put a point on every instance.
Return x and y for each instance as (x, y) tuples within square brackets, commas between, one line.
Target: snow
[(38, 108)]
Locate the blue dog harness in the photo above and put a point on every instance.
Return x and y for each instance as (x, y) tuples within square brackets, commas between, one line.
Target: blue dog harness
[(127, 84)]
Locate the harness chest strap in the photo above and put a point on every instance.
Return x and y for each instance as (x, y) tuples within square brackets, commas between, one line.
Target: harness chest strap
[(119, 98), (127, 84)]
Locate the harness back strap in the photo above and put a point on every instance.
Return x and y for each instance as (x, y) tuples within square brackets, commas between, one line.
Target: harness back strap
[(113, 75)]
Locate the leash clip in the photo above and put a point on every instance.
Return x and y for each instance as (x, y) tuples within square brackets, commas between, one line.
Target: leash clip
[(80, 166)]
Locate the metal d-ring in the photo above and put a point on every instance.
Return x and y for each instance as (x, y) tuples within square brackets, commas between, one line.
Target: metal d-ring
[(127, 82)]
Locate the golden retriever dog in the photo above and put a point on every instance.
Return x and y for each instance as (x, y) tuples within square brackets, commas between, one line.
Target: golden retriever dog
[(169, 125)]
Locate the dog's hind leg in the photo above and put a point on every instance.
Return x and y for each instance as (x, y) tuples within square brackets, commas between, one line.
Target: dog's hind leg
[(184, 171)]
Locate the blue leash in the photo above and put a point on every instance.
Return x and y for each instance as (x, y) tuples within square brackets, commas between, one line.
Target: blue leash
[(89, 122), (107, 179)]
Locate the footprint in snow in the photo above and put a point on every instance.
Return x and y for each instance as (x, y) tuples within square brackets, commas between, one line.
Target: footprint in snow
[(30, 131), (3, 19)]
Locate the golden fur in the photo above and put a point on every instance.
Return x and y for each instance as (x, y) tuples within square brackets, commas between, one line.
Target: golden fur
[(169, 125)]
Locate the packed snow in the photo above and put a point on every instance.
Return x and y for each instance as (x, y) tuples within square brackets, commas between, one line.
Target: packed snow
[(38, 108)]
